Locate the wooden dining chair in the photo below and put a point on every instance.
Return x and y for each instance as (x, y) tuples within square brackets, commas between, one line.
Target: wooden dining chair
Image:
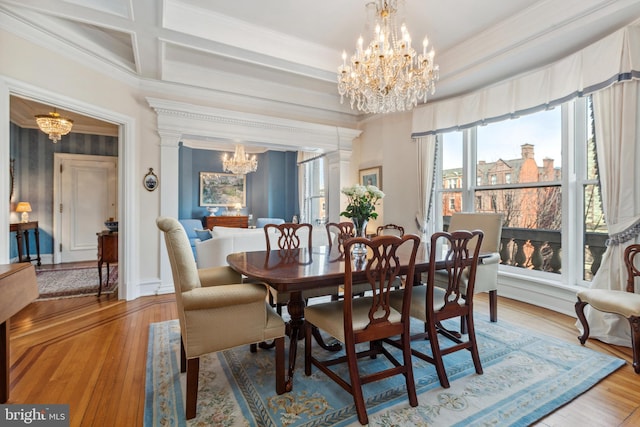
[(338, 233), (368, 319), (433, 305), (288, 237), (390, 229), (625, 303)]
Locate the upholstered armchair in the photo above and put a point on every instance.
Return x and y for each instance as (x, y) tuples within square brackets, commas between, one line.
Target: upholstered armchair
[(487, 272), (216, 311)]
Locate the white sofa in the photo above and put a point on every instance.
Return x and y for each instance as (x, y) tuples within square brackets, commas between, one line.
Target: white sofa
[(226, 240)]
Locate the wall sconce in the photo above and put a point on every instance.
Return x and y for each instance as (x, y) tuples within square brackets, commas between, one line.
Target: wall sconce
[(25, 208)]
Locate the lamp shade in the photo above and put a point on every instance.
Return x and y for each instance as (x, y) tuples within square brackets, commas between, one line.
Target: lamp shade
[(23, 207)]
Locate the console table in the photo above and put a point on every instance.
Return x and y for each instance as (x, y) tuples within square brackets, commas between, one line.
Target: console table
[(107, 253), (18, 288), (237, 221), (22, 232)]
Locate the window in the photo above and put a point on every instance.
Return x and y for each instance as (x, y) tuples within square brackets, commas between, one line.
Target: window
[(518, 167), (452, 166), (314, 209)]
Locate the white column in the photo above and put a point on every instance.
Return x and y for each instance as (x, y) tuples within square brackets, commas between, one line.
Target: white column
[(168, 177), (339, 177)]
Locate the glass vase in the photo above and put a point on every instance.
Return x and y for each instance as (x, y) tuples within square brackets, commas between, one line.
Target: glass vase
[(360, 230)]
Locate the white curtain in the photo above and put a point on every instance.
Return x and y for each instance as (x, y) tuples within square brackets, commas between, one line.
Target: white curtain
[(612, 59), (617, 121), (426, 170)]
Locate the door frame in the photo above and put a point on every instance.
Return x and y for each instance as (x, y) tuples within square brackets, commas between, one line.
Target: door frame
[(128, 243), (58, 158)]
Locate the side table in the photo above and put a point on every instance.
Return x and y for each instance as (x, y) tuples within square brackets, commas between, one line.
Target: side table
[(22, 233), (107, 253)]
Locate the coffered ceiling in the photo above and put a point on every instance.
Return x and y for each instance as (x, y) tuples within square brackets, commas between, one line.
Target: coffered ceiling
[(287, 51)]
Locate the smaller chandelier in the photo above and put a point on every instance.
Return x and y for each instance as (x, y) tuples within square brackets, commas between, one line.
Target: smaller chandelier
[(240, 163), (54, 125), (389, 75)]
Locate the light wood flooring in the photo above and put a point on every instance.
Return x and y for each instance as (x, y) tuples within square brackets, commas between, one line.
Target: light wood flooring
[(91, 354)]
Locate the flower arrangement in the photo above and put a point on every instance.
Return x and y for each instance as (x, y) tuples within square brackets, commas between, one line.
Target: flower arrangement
[(362, 202)]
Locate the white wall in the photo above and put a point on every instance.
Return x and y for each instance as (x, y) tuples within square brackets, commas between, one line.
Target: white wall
[(386, 141), (29, 70)]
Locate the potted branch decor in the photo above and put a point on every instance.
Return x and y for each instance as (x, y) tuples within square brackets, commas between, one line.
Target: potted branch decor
[(361, 206)]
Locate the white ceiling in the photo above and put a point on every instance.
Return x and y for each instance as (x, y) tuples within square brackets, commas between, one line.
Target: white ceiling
[(288, 51)]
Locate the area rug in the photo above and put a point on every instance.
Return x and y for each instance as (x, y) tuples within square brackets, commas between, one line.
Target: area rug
[(526, 376), (75, 282)]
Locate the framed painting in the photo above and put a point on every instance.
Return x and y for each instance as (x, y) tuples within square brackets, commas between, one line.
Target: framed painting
[(371, 176), (222, 189)]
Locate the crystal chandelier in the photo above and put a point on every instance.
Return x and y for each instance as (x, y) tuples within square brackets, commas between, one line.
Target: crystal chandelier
[(240, 163), (54, 125), (388, 75)]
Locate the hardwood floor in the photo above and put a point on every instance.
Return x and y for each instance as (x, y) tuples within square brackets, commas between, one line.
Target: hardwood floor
[(91, 354)]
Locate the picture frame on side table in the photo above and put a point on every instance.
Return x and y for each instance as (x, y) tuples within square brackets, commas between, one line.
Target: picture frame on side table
[(222, 189), (150, 180), (371, 176)]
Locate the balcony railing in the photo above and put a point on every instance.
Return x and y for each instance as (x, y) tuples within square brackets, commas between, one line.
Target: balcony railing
[(537, 249)]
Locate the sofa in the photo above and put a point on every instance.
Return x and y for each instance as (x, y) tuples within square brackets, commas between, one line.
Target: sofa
[(190, 226), (226, 240), (261, 222)]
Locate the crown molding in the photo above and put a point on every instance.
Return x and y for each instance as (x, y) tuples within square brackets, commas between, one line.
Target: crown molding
[(201, 123)]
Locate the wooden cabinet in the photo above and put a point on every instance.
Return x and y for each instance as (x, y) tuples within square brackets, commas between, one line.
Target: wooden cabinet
[(238, 221), (107, 253), (18, 288)]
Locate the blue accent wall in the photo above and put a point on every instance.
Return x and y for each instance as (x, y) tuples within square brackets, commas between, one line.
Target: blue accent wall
[(272, 190), (33, 153)]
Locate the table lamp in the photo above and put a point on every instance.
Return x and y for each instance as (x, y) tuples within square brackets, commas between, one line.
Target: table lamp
[(238, 206), (25, 208)]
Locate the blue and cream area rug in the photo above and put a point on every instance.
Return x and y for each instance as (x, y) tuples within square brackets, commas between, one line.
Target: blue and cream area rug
[(526, 376)]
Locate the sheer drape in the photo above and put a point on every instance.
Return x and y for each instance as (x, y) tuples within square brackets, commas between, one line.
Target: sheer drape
[(617, 121), (426, 148)]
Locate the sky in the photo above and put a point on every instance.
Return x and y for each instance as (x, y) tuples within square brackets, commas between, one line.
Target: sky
[(502, 140)]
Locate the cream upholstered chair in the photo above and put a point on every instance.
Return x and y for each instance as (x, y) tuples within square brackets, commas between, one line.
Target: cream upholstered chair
[(216, 311), (487, 273), (624, 303), (433, 304), (368, 319)]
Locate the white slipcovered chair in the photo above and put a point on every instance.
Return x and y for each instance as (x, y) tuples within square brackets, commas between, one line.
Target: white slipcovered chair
[(487, 273), (216, 311)]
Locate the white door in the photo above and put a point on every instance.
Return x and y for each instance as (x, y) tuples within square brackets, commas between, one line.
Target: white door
[(87, 197)]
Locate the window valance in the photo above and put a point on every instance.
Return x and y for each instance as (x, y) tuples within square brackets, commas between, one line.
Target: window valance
[(614, 58)]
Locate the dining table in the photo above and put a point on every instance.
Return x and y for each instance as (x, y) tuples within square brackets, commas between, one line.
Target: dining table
[(294, 271)]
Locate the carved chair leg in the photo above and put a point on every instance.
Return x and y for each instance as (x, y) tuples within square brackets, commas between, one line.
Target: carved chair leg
[(193, 369), (634, 321), (493, 305), (583, 320)]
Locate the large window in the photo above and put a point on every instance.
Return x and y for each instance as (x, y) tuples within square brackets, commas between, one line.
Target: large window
[(314, 206), (521, 168)]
